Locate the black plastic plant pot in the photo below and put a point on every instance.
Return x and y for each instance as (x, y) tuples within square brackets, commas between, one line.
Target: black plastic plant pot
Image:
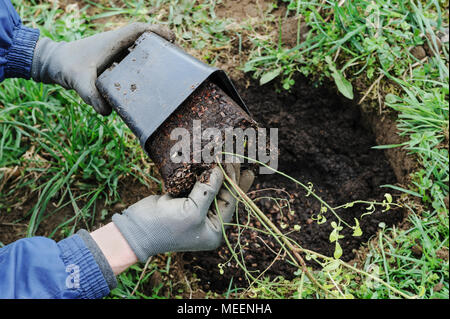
[(153, 80), (158, 87)]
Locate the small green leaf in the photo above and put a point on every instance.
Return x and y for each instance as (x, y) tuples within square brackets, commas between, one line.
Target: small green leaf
[(388, 197), (103, 214), (421, 291), (333, 235), (178, 19), (343, 85), (337, 251), (321, 220), (221, 271), (331, 266), (269, 76), (391, 98), (357, 231)]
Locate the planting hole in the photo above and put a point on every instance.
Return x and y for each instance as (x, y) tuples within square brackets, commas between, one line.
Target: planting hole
[(322, 141)]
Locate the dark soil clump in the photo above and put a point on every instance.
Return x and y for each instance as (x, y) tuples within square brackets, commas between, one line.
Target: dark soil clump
[(212, 109), (322, 140)]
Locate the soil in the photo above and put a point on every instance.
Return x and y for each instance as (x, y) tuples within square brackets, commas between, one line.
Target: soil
[(325, 140), (13, 224), (386, 132), (212, 109), (242, 9), (290, 32)]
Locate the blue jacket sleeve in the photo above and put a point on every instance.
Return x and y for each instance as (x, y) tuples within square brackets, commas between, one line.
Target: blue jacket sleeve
[(39, 267), (17, 44)]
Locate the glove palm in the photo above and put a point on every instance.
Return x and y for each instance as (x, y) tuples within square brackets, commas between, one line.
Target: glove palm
[(159, 224)]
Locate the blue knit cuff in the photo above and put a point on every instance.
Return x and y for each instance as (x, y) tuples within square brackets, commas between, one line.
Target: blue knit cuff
[(20, 54), (76, 255)]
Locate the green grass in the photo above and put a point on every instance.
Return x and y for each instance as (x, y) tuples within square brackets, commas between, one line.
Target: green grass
[(56, 149), (74, 152)]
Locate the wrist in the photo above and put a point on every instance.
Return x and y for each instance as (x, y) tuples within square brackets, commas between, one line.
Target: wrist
[(114, 247)]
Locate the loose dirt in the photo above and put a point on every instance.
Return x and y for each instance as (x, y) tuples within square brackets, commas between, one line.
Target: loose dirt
[(243, 9), (322, 140)]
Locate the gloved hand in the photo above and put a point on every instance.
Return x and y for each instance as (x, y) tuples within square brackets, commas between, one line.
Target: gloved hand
[(76, 65), (159, 224)]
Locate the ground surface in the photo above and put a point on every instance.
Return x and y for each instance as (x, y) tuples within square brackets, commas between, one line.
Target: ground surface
[(322, 140)]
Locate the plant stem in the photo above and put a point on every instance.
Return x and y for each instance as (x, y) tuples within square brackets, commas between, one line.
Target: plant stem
[(276, 230)]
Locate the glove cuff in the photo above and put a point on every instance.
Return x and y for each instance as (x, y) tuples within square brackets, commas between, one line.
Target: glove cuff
[(20, 54), (145, 239), (42, 59)]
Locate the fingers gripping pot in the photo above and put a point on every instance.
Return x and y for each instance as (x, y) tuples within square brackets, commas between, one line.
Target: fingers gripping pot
[(158, 87)]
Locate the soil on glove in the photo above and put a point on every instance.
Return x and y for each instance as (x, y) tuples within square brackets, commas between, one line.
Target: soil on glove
[(322, 140)]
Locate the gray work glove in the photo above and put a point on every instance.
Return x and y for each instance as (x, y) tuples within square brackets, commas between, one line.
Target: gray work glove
[(159, 224), (76, 65)]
